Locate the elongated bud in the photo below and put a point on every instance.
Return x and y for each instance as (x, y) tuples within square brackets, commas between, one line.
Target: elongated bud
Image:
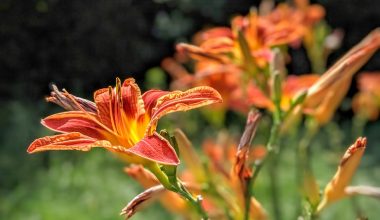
[(277, 87), (335, 189), (311, 189), (240, 168), (278, 62)]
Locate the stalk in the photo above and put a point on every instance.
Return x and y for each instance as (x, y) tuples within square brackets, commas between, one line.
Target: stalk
[(177, 187)]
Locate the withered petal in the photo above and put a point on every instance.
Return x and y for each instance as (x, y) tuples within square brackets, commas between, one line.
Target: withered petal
[(141, 200)]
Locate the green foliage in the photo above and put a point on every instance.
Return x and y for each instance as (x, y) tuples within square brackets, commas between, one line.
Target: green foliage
[(81, 185), (155, 78)]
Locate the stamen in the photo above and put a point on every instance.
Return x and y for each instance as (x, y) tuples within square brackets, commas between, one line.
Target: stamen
[(110, 94)]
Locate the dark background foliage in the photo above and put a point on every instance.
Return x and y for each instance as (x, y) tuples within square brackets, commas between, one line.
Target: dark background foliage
[(85, 44)]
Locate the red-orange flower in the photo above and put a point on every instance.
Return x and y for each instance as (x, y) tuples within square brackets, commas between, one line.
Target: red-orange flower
[(226, 79), (222, 45), (121, 120)]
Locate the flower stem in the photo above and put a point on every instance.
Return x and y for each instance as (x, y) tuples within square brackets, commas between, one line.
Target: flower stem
[(177, 187), (195, 202)]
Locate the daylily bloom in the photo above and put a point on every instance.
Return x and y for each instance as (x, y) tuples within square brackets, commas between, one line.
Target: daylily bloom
[(335, 189), (222, 44), (120, 120), (226, 79), (366, 102)]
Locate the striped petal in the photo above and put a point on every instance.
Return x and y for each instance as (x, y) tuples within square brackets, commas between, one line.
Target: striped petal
[(74, 121), (155, 148), (111, 102), (150, 99), (182, 101), (68, 141), (199, 53)]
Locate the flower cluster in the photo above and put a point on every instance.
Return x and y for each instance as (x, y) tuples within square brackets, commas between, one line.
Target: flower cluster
[(245, 66)]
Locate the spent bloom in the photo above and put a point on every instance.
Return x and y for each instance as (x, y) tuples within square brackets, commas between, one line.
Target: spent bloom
[(121, 120)]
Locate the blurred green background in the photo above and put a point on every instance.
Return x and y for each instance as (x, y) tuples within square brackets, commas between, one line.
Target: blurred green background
[(84, 45)]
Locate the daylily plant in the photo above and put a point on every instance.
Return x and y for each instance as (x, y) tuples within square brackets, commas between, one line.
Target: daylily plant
[(124, 122), (246, 65)]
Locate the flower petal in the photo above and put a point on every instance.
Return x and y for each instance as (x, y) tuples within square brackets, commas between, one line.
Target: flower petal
[(155, 148), (150, 99), (199, 53), (182, 101), (335, 189), (332, 99), (68, 141), (74, 121), (126, 97)]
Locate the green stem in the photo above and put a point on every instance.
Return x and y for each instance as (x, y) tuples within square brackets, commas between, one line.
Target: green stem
[(272, 147), (195, 202), (303, 159), (177, 187), (161, 176), (358, 125)]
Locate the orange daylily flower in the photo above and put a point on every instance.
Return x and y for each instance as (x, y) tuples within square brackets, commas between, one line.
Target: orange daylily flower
[(335, 189), (367, 101), (303, 16), (261, 33), (121, 120), (224, 78)]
